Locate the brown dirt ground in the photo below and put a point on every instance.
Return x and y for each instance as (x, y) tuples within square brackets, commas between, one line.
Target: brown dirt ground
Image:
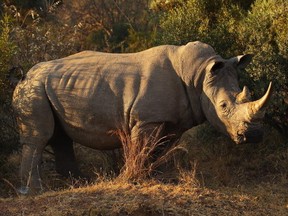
[(152, 198)]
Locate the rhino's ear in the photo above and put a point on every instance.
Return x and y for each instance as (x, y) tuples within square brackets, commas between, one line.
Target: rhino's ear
[(215, 66), (242, 61)]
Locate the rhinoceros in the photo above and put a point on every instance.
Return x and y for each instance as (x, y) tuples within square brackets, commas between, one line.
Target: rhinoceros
[(83, 97)]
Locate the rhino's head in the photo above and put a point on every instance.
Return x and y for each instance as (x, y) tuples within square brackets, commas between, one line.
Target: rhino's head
[(228, 108)]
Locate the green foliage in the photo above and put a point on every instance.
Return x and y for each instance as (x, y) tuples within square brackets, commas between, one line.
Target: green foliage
[(7, 50), (202, 20), (232, 30), (164, 5), (140, 40), (264, 32), (44, 42), (109, 25), (184, 23)]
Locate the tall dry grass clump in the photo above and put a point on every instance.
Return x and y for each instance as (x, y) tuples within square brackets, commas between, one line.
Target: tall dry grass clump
[(147, 155), (188, 177)]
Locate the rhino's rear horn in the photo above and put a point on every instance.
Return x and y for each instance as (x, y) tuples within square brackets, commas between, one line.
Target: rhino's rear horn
[(243, 96), (257, 108)]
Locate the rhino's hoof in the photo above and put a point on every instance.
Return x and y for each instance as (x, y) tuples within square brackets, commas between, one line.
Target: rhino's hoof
[(27, 191), (24, 190)]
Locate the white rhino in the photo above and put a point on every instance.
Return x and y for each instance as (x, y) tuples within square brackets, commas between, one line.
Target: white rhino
[(83, 97)]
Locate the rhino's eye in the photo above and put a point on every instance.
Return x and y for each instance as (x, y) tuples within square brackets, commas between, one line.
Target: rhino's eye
[(223, 105)]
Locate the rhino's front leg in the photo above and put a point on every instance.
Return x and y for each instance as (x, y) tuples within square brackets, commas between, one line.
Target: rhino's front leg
[(30, 168), (147, 132), (162, 140), (152, 138)]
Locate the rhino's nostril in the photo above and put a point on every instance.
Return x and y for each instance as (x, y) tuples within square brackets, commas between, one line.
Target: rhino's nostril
[(241, 137)]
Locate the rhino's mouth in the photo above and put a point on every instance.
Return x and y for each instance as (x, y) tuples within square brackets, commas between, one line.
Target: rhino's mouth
[(249, 136)]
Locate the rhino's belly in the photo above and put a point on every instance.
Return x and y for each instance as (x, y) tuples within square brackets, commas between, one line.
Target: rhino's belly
[(93, 137), (94, 127), (90, 121)]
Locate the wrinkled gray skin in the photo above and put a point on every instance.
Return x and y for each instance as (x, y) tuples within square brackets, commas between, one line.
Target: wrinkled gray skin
[(83, 97)]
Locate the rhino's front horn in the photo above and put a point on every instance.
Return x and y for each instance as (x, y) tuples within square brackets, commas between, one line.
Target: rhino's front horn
[(257, 108)]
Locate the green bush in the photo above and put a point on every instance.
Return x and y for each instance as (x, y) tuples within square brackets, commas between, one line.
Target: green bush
[(7, 50), (232, 30), (8, 137), (264, 32), (140, 40), (183, 23), (204, 20)]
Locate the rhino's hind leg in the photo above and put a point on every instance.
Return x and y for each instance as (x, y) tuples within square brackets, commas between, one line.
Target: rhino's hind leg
[(36, 124), (30, 167), (62, 146)]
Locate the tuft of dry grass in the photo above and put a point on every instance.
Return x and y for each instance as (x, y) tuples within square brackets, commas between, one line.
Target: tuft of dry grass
[(143, 155), (189, 178)]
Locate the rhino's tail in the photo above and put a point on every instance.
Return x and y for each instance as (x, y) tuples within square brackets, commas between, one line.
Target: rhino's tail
[(15, 75)]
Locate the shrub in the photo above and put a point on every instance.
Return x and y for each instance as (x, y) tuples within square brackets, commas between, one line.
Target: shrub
[(264, 32), (8, 49), (44, 42), (232, 30), (207, 21), (108, 25), (140, 40), (183, 23)]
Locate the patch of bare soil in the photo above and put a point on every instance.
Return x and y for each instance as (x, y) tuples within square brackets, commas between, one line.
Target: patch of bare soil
[(152, 198)]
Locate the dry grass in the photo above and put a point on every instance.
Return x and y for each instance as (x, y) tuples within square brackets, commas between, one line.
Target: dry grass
[(152, 198), (189, 177), (144, 155), (222, 163)]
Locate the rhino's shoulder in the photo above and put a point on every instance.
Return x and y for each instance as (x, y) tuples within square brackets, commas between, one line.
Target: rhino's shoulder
[(199, 48)]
